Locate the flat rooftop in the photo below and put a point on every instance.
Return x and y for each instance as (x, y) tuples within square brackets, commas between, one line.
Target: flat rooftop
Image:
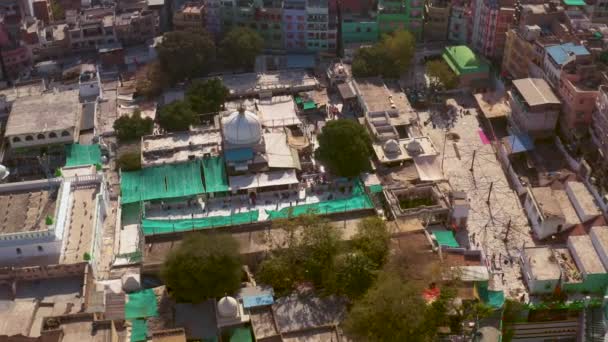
[(44, 113), (572, 274), (254, 83), (278, 111), (493, 105), (374, 94), (543, 263), (555, 202), (600, 234), (535, 91), (179, 147), (585, 255), (584, 198), (25, 211), (78, 235)]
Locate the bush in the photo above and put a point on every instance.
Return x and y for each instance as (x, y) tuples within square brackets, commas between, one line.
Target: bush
[(133, 127), (130, 161)]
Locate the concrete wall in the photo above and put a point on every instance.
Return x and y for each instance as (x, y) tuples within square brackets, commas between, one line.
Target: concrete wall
[(41, 139), (543, 227), (42, 272)]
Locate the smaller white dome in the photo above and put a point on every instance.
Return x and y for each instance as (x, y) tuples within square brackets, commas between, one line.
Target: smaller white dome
[(228, 307), (414, 147), (3, 172), (391, 146), (242, 128)]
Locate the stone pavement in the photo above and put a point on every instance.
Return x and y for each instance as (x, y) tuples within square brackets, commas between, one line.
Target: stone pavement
[(487, 223)]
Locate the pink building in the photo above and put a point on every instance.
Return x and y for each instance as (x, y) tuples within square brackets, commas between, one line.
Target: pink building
[(579, 90), (489, 23)]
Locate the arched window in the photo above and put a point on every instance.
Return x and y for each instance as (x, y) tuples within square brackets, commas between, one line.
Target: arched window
[(52, 135), (65, 134), (40, 136), (29, 138), (16, 139)]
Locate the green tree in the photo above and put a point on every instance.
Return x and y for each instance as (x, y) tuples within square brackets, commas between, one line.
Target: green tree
[(207, 96), (372, 239), (304, 250), (204, 266), (344, 147), (186, 54), (57, 11), (389, 58), (177, 116), (440, 74), (133, 127), (151, 80), (392, 310), (130, 161), (353, 274), (240, 47)]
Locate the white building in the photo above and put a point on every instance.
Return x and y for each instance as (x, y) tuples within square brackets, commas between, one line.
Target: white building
[(540, 269), (550, 211), (41, 120)]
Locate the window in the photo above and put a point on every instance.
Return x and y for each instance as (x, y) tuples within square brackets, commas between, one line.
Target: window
[(16, 139), (29, 138), (40, 249), (52, 135), (40, 137), (18, 251), (65, 134)]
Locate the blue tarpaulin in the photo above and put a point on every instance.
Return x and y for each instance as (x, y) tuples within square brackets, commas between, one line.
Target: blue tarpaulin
[(520, 143), (238, 154), (259, 300)]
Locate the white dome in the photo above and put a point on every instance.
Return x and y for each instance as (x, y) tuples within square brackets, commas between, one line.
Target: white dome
[(391, 146), (414, 147), (242, 128), (228, 307), (3, 172)]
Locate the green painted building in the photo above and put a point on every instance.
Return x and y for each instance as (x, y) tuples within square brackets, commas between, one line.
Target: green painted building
[(359, 30), (401, 15), (472, 70)]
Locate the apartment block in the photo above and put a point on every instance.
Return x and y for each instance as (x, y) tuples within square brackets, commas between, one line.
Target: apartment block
[(191, 15), (534, 107), (489, 22), (436, 20), (401, 15)]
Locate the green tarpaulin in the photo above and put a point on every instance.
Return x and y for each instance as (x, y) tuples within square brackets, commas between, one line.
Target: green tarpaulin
[(79, 155), (357, 201), (141, 304), (446, 238), (139, 330), (215, 175), (309, 105), (375, 188), (166, 181), (241, 334), (151, 227), (493, 298)]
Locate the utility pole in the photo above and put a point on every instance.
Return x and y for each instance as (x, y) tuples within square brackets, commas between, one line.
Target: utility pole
[(490, 193), (508, 230), (473, 160)]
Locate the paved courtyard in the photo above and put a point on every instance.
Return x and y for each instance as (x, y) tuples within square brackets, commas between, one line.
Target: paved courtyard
[(499, 227)]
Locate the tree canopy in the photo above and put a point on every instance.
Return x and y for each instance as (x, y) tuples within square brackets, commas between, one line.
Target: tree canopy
[(129, 161), (372, 239), (441, 75), (389, 58), (186, 54), (344, 147), (177, 116), (353, 273), (133, 127), (207, 96), (204, 266), (240, 47), (151, 80)]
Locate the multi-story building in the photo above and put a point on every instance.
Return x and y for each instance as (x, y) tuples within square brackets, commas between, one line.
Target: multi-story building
[(319, 35), (489, 23), (599, 128), (557, 56), (268, 20), (42, 10), (354, 7), (525, 51), (401, 15), (91, 29), (190, 16), (45, 42), (294, 24), (213, 16), (357, 29), (598, 11), (534, 107), (578, 88), (436, 20), (136, 27), (458, 22)]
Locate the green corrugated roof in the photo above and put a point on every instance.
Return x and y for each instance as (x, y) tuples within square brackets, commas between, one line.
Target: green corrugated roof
[(141, 304), (241, 334), (309, 105), (77, 155), (215, 175), (446, 238), (574, 3), (463, 60), (139, 330)]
